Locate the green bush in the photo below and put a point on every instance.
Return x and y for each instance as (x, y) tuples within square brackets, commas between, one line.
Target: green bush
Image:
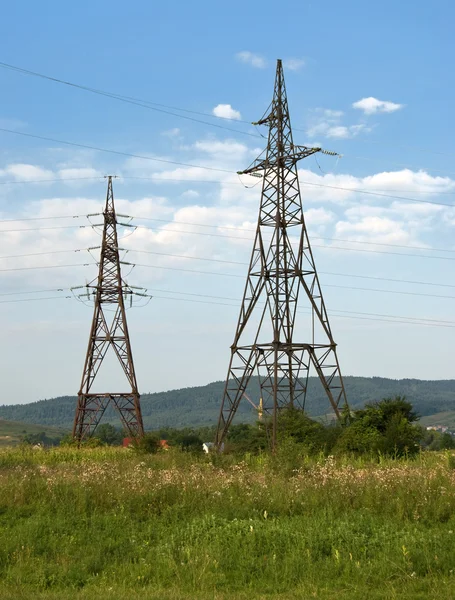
[(149, 443), (386, 427)]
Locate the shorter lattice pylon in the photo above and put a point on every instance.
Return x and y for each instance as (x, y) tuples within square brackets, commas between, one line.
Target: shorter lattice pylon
[(107, 331)]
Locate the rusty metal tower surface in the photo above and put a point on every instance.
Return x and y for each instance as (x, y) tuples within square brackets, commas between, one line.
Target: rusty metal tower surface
[(109, 329), (281, 268)]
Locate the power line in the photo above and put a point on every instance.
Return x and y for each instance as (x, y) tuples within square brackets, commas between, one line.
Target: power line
[(218, 273), (117, 152), (238, 300), (348, 287), (232, 262), (353, 316), (47, 228), (407, 254), (312, 237), (50, 180), (36, 299), (135, 101), (44, 253), (167, 109), (356, 315), (180, 180), (391, 318), (183, 270), (405, 165), (158, 179), (159, 107), (425, 149), (245, 238), (35, 292), (47, 218), (388, 279), (195, 112), (387, 253), (313, 245), (360, 191), (47, 267)]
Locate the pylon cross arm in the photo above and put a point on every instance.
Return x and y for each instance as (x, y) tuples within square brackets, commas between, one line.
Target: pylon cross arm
[(286, 160)]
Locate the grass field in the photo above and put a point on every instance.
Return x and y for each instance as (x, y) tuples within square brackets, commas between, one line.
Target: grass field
[(107, 523), (11, 432)]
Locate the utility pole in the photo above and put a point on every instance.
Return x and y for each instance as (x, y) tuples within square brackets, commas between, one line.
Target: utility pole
[(109, 329), (281, 268)]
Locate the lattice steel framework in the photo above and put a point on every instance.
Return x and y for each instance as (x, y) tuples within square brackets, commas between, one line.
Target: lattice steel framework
[(281, 268), (107, 331)]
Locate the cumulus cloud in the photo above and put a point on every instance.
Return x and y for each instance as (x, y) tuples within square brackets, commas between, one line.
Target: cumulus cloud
[(371, 106), (343, 131), (79, 173), (254, 60), (294, 64), (374, 229), (327, 122), (226, 148), (190, 194), (341, 188), (226, 112), (231, 209), (26, 172), (319, 216)]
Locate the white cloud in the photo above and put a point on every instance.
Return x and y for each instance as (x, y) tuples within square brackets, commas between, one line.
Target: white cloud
[(190, 194), (408, 180), (294, 64), (339, 131), (226, 112), (254, 60), (26, 172), (344, 189), (327, 122), (352, 215), (371, 106), (382, 230), (222, 148), (172, 133), (331, 114), (319, 216), (79, 173)]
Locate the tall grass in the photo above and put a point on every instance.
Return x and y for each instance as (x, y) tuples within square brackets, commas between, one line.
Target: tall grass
[(108, 523)]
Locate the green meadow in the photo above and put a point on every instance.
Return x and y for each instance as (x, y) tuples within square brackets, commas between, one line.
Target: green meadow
[(111, 523)]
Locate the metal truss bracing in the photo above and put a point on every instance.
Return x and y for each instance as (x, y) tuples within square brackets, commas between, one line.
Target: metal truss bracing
[(108, 331), (281, 270)]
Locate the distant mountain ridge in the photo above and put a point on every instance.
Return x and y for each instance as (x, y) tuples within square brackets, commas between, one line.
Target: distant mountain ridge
[(197, 406)]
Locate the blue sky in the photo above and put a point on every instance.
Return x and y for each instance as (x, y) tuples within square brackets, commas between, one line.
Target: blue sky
[(370, 81)]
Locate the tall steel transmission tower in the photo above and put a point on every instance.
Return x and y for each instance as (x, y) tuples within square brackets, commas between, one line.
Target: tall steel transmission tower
[(281, 269), (109, 329)]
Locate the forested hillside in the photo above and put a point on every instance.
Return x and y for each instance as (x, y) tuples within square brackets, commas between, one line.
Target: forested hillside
[(200, 405)]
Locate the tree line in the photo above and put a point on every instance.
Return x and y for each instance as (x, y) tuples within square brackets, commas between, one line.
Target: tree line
[(388, 427)]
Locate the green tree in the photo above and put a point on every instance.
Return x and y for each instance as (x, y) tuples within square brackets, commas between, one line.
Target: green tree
[(243, 437), (40, 438), (190, 442), (387, 426), (447, 441), (296, 425), (109, 434), (147, 444)]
